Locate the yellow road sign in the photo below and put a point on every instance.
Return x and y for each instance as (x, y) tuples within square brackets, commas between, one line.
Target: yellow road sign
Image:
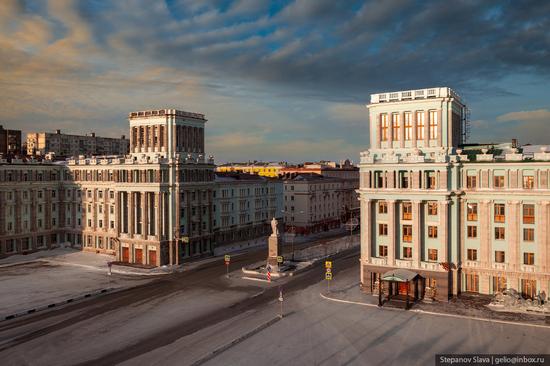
[(328, 276), (227, 257), (280, 259), (328, 264)]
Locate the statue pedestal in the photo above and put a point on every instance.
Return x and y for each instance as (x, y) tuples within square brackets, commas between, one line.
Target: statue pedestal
[(274, 250)]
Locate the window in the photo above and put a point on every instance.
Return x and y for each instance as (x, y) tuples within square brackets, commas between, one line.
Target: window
[(404, 177), (499, 233), (432, 255), (529, 288), (472, 211), (407, 233), (528, 182), (433, 124), (382, 207), (472, 254), (383, 127), (500, 215), (528, 234), (529, 258), (382, 250), (407, 211), (408, 126), (472, 282), (383, 229), (499, 256), (420, 125), (432, 208), (395, 126), (472, 232), (432, 232), (471, 181), (407, 252), (498, 181), (499, 284), (430, 180), (529, 214)]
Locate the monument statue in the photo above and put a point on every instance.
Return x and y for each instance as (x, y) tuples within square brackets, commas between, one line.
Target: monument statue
[(274, 228)]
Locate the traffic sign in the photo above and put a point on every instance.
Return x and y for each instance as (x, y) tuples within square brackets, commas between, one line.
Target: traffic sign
[(280, 259), (329, 270), (227, 258), (328, 276), (185, 239), (328, 264)]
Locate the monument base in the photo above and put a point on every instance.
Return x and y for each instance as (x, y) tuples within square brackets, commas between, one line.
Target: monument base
[(274, 250)]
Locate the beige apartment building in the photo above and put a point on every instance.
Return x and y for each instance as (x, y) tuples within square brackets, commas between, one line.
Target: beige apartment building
[(313, 203), (63, 145), (448, 218)]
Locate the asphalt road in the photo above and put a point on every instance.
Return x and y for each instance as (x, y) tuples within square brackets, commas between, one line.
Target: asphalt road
[(21, 337)]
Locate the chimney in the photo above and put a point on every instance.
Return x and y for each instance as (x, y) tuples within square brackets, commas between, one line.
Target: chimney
[(93, 134), (58, 132), (514, 143), (123, 137)]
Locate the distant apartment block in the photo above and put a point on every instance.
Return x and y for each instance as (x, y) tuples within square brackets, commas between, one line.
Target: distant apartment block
[(244, 204), (314, 203), (10, 141), (63, 145), (460, 218), (271, 170)]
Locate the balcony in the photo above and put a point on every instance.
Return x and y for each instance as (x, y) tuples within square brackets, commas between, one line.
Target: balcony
[(500, 266), (528, 268), (379, 261), (430, 266), (472, 264), (403, 263)]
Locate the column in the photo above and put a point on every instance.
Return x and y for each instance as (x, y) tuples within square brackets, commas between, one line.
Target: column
[(378, 131), (392, 231), (118, 206), (485, 233), (366, 233), (417, 246), (131, 213), (145, 214), (3, 208), (440, 128), (541, 238), (444, 230), (426, 129), (157, 216), (413, 123), (513, 236), (402, 130), (391, 137)]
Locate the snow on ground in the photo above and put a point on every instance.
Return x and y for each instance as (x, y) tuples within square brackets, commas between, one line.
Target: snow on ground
[(52, 276)]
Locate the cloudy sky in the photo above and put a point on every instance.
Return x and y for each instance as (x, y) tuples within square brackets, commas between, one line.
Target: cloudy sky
[(281, 80)]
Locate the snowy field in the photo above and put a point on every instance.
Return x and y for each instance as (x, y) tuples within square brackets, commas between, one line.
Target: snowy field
[(45, 277)]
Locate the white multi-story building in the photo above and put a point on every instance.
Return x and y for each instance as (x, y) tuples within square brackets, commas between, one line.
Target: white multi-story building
[(63, 145)]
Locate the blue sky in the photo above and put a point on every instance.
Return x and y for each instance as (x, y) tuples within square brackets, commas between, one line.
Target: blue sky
[(281, 80)]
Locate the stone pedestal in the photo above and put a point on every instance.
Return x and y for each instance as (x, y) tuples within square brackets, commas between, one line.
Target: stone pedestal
[(274, 250)]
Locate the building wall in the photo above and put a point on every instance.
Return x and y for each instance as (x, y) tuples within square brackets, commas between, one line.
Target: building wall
[(267, 170), (75, 145), (243, 208), (415, 210), (10, 141)]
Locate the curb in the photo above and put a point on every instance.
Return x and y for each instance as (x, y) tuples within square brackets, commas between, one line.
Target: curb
[(418, 311), (226, 346), (60, 303)]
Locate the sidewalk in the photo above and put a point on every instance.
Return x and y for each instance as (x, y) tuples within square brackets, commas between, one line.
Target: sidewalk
[(465, 306)]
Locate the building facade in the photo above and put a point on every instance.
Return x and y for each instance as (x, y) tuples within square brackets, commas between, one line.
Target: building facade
[(271, 170), (313, 203), (462, 219), (244, 204), (62, 145), (160, 204), (10, 141)]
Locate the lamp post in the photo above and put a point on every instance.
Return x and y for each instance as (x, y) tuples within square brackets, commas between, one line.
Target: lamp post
[(293, 231), (175, 241)]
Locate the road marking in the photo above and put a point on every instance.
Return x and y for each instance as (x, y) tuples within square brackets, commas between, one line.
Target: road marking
[(437, 314)]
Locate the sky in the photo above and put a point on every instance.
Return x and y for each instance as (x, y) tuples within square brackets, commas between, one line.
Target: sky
[(278, 81)]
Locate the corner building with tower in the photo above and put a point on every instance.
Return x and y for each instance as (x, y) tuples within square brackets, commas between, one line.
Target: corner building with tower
[(455, 217)]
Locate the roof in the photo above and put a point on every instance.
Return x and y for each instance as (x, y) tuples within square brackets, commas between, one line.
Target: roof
[(236, 176), (399, 275)]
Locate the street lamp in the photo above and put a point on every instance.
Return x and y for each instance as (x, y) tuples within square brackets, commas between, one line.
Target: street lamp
[(293, 230), (175, 241)]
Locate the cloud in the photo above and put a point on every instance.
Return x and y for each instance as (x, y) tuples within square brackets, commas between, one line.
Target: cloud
[(536, 115)]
